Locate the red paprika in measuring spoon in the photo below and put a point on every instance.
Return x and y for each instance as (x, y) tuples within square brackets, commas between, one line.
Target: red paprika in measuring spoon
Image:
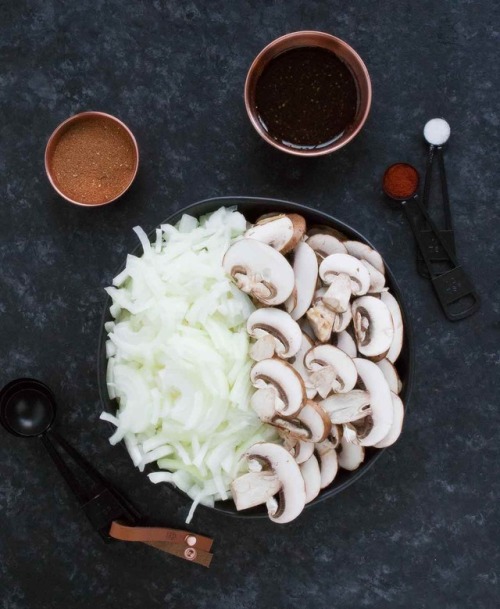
[(400, 181)]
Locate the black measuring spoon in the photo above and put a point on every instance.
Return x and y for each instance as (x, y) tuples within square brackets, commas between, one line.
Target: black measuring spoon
[(436, 133), (454, 290), (28, 410)]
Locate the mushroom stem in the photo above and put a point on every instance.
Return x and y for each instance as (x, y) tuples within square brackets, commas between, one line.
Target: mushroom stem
[(254, 489), (339, 293), (347, 407)]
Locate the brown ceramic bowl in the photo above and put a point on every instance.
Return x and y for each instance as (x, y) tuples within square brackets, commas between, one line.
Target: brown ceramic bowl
[(311, 39), (59, 132)]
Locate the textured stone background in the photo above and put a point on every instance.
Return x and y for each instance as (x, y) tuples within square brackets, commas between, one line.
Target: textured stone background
[(421, 530)]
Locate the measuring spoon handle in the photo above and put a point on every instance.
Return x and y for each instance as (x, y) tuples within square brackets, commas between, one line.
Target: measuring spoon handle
[(454, 290)]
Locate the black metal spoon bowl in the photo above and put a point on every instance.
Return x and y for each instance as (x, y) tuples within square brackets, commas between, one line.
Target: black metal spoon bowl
[(27, 408), (252, 208)]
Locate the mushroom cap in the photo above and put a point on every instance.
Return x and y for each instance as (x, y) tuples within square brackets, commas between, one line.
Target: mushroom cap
[(259, 270), (316, 420), (397, 423), (373, 326), (298, 364), (312, 477), (299, 449), (351, 455), (377, 279), (305, 269), (380, 400), (324, 245), (292, 495), (335, 435), (391, 375), (311, 424), (397, 321), (328, 462), (344, 263), (277, 323), (281, 231), (326, 229), (286, 382), (323, 356), (342, 320), (343, 340), (306, 328), (361, 251)]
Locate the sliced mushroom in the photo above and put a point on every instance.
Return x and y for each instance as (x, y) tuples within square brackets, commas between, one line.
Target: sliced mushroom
[(338, 294), (361, 251), (259, 270), (337, 264), (391, 375), (397, 423), (342, 320), (299, 449), (380, 401), (324, 245), (397, 321), (377, 279), (331, 369), (292, 495), (282, 382), (335, 435), (373, 326), (311, 424), (324, 229), (305, 268), (347, 407), (306, 328), (281, 231), (328, 461), (298, 363), (254, 489), (343, 340), (351, 455), (312, 477), (285, 333), (313, 417)]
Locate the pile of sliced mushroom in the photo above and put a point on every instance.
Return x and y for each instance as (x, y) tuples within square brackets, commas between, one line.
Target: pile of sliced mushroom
[(326, 335)]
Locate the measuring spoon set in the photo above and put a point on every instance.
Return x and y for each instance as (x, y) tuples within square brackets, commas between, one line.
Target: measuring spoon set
[(436, 256)]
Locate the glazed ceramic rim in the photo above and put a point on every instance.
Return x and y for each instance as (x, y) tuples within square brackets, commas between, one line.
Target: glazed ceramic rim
[(319, 38), (58, 131)]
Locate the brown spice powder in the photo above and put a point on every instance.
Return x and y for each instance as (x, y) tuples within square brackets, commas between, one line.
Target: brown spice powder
[(94, 161)]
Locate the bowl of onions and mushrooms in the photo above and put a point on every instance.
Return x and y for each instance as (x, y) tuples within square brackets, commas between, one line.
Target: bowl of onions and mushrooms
[(331, 351)]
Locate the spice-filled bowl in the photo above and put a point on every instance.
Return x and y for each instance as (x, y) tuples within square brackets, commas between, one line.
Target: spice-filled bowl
[(308, 93), (91, 159)]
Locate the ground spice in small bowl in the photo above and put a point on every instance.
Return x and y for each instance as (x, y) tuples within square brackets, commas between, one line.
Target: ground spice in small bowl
[(93, 160), (400, 181)]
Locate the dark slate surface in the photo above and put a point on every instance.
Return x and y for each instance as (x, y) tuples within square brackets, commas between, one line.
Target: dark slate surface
[(420, 531)]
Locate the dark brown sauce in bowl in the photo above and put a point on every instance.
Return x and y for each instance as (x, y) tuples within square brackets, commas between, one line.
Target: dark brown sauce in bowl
[(306, 97)]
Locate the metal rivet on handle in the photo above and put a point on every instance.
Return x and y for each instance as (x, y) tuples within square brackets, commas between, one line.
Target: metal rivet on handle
[(190, 553), (190, 540)]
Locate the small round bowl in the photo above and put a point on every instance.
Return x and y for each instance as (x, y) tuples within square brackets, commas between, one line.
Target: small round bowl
[(311, 39), (59, 132)]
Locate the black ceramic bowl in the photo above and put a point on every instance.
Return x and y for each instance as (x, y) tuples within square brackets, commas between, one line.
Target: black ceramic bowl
[(252, 208)]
